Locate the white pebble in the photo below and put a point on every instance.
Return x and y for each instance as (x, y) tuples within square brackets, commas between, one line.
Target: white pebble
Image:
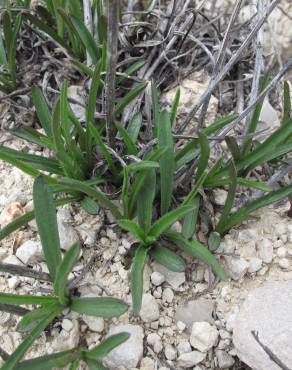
[(170, 352), (167, 295), (204, 336), (157, 278), (284, 263), (282, 252)]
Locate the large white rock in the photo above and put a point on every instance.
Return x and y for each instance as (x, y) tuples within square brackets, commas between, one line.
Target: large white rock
[(30, 252), (130, 352), (174, 279), (204, 336), (237, 267), (268, 311), (150, 310), (190, 359)]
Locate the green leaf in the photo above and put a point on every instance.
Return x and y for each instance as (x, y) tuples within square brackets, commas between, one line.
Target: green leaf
[(23, 220), (145, 200), (19, 164), (42, 110), (106, 346), (219, 124), (193, 193), (127, 139), (125, 192), (60, 283), (47, 224), (20, 351), (287, 103), (131, 95), (142, 165), (204, 155), (263, 201), (233, 147), (190, 219), (133, 228), (168, 219), (103, 148), (50, 362), (214, 241), (174, 107), (3, 58), (82, 187), (26, 299), (94, 365), (137, 269), (130, 71), (230, 199), (167, 162), (155, 106), (134, 126), (87, 38), (100, 306), (196, 250), (167, 258), (33, 318), (90, 206)]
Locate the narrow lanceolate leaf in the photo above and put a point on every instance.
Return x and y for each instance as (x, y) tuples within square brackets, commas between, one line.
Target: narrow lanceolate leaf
[(134, 126), (100, 306), (137, 269), (133, 228), (230, 199), (233, 147), (145, 200), (131, 95), (94, 87), (50, 362), (168, 219), (190, 220), (23, 220), (87, 38), (20, 351), (42, 110), (3, 58), (142, 165), (33, 318), (167, 258), (63, 271), (204, 155), (127, 139), (82, 187), (155, 106), (214, 241), (26, 299), (167, 161), (287, 110), (90, 206), (105, 347), (130, 71), (194, 192), (45, 214), (174, 107), (264, 201), (125, 192), (28, 169), (196, 250), (94, 365)]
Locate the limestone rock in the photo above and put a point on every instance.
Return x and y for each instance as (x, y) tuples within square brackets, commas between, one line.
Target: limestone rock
[(204, 336), (149, 311), (129, 353), (268, 311), (190, 359), (174, 279), (30, 252), (237, 267), (68, 235)]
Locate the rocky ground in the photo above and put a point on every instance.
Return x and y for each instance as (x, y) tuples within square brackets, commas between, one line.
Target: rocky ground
[(188, 320)]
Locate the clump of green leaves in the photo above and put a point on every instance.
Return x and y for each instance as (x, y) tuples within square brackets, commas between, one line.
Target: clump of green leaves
[(35, 321), (8, 45)]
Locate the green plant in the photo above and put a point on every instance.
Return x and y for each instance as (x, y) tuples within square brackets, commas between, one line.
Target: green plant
[(8, 45), (35, 321)]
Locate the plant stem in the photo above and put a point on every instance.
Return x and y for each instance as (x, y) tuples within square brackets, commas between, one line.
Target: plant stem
[(24, 271), (112, 54), (15, 310)]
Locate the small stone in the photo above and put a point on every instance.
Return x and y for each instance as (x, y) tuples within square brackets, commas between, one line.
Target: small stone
[(130, 352), (66, 340), (30, 252), (282, 252), (237, 267), (13, 282), (284, 263), (67, 325), (184, 347), (190, 359), (170, 352), (224, 359), (220, 196), (77, 93), (200, 309), (255, 265), (174, 279), (268, 116), (10, 213), (167, 295), (265, 250), (68, 235), (13, 260), (149, 311), (95, 324), (157, 278), (247, 234), (155, 342), (181, 326), (204, 336), (147, 364)]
